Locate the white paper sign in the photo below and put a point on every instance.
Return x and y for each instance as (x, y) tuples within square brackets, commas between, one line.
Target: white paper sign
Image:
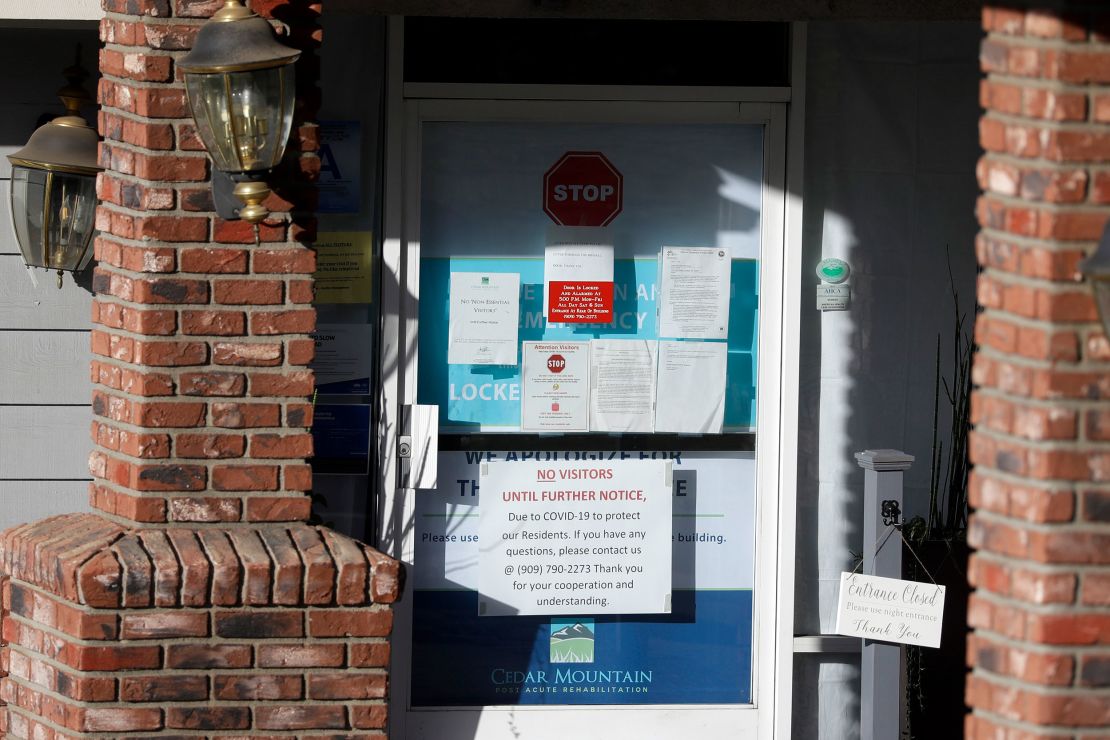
[(484, 318), (555, 391), (622, 385), (713, 516), (588, 537), (690, 391), (693, 292), (579, 264), (890, 610)]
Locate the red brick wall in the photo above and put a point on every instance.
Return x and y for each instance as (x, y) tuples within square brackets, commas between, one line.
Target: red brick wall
[(201, 338), (5, 597), (1041, 448), (165, 630)]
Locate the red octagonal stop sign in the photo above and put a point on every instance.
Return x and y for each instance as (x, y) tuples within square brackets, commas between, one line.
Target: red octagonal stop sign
[(583, 189)]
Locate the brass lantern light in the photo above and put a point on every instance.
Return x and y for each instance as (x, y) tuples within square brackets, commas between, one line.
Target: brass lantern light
[(53, 187), (239, 82), (1096, 269)]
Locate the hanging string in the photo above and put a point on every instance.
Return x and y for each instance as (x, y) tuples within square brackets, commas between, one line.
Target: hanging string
[(878, 547), (915, 557), (891, 530)]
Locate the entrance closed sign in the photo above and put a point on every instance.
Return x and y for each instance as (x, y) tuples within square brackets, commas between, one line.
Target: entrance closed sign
[(890, 610), (585, 537)]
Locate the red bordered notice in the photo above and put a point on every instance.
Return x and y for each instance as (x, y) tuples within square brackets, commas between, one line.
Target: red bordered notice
[(579, 302), (579, 283), (556, 386)]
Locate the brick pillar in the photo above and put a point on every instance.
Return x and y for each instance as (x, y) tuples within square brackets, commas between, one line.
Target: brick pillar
[(1040, 646), (197, 599)]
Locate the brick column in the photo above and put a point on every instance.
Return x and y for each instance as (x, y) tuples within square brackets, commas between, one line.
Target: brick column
[(1040, 647), (197, 599)]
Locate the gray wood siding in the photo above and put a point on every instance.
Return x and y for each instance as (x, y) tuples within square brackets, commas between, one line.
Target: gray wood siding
[(44, 368), (52, 442), (24, 305), (31, 500)]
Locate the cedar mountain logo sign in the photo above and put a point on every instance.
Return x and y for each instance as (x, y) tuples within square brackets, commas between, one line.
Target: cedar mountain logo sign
[(583, 189), (572, 642)]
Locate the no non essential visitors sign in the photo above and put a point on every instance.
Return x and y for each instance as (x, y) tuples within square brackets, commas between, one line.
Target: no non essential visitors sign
[(583, 189)]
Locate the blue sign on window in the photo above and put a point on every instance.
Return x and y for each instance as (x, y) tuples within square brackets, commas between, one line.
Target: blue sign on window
[(485, 396)]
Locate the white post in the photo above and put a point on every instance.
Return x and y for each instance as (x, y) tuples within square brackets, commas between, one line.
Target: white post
[(881, 690)]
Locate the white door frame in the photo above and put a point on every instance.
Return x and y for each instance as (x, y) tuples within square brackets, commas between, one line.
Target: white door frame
[(776, 441)]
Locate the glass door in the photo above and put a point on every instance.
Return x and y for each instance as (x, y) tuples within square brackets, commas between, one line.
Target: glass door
[(651, 198)]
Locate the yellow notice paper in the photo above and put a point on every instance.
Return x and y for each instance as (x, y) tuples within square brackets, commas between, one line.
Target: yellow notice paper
[(344, 266)]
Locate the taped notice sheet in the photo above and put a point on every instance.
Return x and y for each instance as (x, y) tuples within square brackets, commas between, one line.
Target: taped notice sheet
[(690, 388), (556, 387), (622, 385), (484, 318), (694, 292), (578, 283), (583, 537)]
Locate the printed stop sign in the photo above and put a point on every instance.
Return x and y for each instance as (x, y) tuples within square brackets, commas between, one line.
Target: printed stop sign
[(583, 189)]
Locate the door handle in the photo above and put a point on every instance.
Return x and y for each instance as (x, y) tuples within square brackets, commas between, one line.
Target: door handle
[(418, 446)]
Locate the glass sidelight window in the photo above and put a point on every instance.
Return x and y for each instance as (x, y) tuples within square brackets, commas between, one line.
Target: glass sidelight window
[(483, 215)]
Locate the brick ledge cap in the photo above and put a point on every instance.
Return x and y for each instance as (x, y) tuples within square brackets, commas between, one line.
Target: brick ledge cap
[(89, 560)]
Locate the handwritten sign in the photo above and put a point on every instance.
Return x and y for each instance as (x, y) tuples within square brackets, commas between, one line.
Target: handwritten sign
[(890, 610), (581, 537)]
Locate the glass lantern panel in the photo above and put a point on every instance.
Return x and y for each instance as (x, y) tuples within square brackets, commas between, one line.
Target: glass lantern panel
[(262, 105), (208, 100), (28, 187), (244, 118), (70, 220)]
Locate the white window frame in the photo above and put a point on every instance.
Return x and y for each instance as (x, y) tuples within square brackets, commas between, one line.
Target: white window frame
[(408, 106)]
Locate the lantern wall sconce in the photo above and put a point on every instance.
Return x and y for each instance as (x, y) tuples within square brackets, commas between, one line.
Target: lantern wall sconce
[(53, 186), (1096, 269), (240, 86)]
